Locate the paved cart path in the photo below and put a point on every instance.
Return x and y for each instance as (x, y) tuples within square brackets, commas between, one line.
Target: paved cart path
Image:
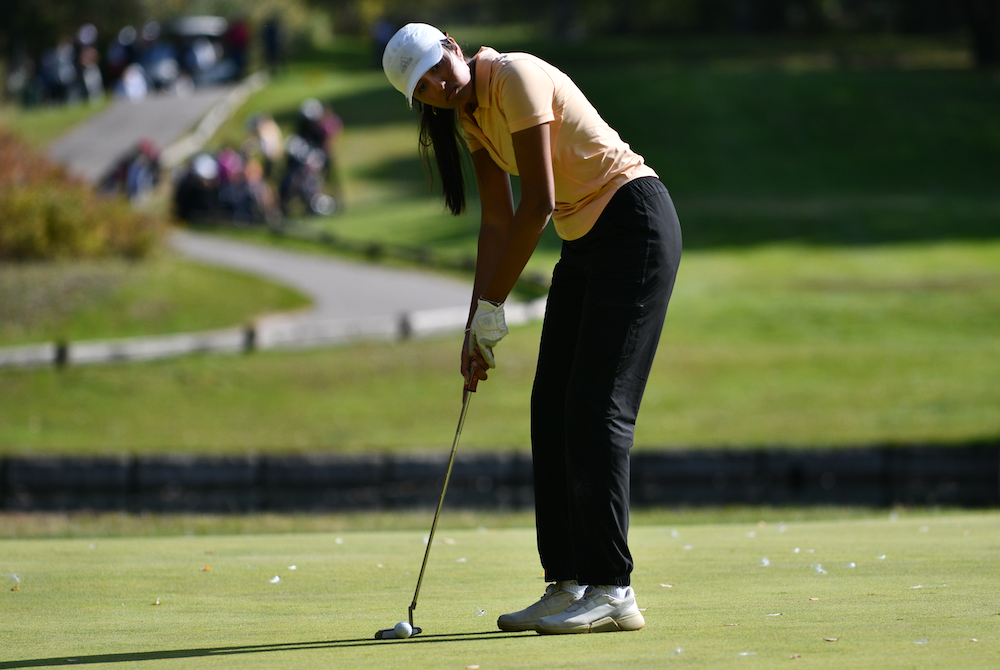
[(340, 289), (91, 148)]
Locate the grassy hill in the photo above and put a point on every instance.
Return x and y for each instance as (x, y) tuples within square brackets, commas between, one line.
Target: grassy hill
[(841, 279)]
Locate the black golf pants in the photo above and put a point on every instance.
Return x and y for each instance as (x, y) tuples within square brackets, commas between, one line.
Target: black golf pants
[(603, 320)]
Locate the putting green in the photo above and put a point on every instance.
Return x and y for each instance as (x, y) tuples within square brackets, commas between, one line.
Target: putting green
[(885, 592)]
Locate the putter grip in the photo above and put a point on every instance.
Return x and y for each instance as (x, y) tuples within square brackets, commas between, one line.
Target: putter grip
[(471, 386)]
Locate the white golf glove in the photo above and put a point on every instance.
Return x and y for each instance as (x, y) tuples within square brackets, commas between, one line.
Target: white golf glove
[(488, 327)]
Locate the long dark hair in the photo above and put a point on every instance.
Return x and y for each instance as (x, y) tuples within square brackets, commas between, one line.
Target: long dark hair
[(440, 131)]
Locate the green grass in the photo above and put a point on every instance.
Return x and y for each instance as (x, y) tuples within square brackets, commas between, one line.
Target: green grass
[(840, 283), (89, 524), (919, 594), (40, 125), (772, 346), (85, 300), (758, 142)]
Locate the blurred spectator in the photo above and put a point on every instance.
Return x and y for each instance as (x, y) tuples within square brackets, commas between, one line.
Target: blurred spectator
[(226, 188), (265, 206), (234, 196), (57, 72), (203, 44), (237, 39), (310, 160), (265, 140), (274, 44), (23, 84), (133, 84), (158, 58), (381, 32), (89, 81), (196, 196), (301, 187), (136, 174), (321, 128), (121, 52), (199, 56)]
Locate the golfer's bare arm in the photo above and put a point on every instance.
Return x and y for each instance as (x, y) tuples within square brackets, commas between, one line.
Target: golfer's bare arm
[(495, 222), (534, 161), (508, 236)]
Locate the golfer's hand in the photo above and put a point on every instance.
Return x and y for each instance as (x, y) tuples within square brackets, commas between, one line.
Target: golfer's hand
[(473, 365), (488, 327)]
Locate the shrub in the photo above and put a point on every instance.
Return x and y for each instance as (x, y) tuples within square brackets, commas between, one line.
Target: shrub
[(47, 214)]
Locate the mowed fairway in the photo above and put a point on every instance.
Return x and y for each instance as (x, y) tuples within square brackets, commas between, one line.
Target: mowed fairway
[(885, 592)]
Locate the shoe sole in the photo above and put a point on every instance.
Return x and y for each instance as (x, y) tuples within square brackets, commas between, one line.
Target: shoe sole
[(516, 627), (629, 622)]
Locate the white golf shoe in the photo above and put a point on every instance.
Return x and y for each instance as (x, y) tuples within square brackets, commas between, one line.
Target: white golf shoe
[(597, 612), (555, 599)]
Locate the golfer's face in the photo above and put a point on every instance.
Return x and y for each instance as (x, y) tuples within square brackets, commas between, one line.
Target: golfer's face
[(447, 84)]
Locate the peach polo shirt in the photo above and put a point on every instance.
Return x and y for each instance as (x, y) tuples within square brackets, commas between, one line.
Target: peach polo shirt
[(590, 161)]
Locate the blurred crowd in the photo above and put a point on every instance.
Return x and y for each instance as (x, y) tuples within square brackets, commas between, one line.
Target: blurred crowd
[(269, 177), (265, 180), (175, 56)]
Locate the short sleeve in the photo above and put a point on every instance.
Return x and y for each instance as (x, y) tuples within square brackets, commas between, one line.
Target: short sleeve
[(471, 142), (525, 94)]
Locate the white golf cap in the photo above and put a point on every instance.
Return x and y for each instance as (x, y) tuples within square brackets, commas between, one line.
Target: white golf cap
[(409, 54)]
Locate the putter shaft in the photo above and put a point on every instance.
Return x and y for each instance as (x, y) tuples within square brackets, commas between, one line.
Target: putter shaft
[(469, 389)]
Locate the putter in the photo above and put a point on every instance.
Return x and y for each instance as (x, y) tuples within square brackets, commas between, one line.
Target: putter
[(390, 633)]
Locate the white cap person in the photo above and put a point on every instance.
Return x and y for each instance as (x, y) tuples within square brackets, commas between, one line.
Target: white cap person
[(621, 246)]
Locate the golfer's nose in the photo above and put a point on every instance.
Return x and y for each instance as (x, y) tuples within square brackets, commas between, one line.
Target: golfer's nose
[(432, 82)]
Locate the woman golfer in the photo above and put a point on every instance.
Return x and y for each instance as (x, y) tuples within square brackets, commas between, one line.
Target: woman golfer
[(621, 247)]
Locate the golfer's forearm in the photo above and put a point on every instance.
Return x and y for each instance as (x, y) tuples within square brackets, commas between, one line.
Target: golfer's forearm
[(520, 228), (492, 240), (525, 231), (534, 158)]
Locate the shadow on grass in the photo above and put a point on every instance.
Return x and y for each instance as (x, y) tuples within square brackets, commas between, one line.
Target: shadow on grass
[(131, 657)]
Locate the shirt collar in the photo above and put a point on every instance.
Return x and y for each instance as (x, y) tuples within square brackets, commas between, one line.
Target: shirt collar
[(484, 70)]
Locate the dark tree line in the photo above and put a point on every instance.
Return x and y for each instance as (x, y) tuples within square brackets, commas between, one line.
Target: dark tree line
[(984, 22), (28, 26)]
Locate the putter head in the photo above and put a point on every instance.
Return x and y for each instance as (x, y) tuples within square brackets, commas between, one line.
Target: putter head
[(390, 633)]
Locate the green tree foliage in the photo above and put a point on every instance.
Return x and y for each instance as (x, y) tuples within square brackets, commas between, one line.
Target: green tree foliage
[(27, 27), (977, 21), (984, 21), (32, 25)]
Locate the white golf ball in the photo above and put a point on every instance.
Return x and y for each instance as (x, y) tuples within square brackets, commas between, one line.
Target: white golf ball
[(403, 629)]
